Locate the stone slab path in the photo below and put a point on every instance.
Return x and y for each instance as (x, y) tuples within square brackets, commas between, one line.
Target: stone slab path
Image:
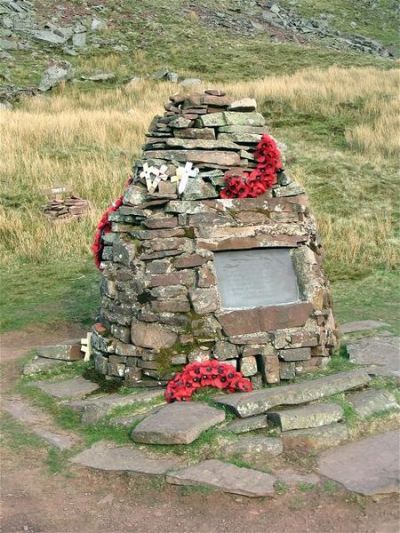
[(315, 438), (74, 388), (244, 425), (225, 477), (369, 466), (381, 353), (97, 407), (252, 447), (177, 423), (39, 423), (362, 325), (292, 478), (253, 403), (309, 416), (105, 455), (368, 402)]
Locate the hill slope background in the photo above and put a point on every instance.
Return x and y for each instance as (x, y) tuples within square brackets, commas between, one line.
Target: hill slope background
[(338, 117)]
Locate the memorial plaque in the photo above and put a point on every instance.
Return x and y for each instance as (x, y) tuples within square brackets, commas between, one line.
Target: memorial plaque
[(256, 278)]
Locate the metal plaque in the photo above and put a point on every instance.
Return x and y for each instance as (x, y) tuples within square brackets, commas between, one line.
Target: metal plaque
[(256, 278)]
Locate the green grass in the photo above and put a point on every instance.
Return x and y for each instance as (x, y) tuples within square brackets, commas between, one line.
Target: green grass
[(48, 294), (15, 435)]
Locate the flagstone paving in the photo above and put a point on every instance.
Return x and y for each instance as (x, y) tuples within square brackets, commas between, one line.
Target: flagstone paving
[(244, 425), (105, 455), (315, 438), (226, 477), (39, 423), (371, 401), (252, 447), (380, 353), (314, 415), (369, 466), (292, 478), (260, 401), (74, 388), (177, 423), (97, 407)]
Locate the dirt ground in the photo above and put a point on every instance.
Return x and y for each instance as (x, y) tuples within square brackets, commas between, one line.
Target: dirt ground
[(82, 500)]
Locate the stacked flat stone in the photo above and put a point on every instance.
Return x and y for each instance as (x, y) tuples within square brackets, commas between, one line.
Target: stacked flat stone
[(160, 300), (71, 207)]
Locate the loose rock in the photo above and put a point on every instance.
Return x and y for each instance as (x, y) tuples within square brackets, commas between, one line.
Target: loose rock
[(307, 417)]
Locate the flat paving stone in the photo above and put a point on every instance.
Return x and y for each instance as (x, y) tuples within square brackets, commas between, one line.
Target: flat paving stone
[(362, 325), (104, 455), (369, 466), (315, 438), (371, 401), (95, 408), (292, 478), (253, 446), (74, 388), (69, 351), (177, 423), (244, 425), (225, 477), (41, 364), (309, 416), (257, 402), (39, 423), (381, 353)]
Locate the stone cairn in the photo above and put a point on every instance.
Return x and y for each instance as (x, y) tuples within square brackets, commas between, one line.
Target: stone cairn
[(161, 307), (68, 208)]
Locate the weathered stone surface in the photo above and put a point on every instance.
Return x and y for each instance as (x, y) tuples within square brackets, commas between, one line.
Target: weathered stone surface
[(368, 402), (264, 318), (41, 364), (315, 438), (362, 325), (63, 352), (189, 261), (177, 423), (248, 365), (197, 189), (204, 300), (213, 119), (174, 278), (381, 352), (77, 387), (95, 408), (245, 425), (152, 336), (244, 119), (55, 74), (39, 423), (293, 478), (253, 403), (295, 354), (225, 350), (225, 477), (244, 104), (202, 144), (228, 159), (195, 133), (309, 416), (287, 370), (104, 455), (252, 447), (369, 466), (247, 138), (270, 368)]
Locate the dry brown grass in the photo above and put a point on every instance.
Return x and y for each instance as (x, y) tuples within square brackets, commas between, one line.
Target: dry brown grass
[(86, 141)]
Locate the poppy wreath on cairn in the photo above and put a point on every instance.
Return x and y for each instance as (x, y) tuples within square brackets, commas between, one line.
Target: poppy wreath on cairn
[(210, 179), (206, 374)]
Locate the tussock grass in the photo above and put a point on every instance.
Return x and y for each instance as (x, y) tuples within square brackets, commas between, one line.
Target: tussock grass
[(339, 124)]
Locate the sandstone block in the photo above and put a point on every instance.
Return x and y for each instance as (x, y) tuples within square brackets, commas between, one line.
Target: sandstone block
[(152, 336)]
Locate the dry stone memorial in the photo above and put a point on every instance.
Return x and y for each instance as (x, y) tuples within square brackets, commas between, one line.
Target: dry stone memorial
[(207, 257)]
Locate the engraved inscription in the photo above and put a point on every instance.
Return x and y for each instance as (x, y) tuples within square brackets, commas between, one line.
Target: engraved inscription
[(256, 278)]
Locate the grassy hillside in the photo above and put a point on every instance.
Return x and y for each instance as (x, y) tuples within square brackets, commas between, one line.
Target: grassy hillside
[(217, 40), (340, 128)]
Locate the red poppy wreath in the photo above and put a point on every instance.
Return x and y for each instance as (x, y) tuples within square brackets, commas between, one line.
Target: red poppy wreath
[(242, 184), (207, 374)]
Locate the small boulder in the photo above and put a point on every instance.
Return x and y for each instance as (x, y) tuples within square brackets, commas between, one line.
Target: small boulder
[(57, 73)]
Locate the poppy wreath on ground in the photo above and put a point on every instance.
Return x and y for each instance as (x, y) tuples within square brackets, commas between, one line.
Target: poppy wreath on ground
[(207, 374), (241, 184), (103, 227)]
